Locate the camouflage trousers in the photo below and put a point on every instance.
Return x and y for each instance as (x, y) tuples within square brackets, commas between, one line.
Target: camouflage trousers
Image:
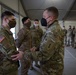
[(34, 58), (51, 69), (25, 65), (8, 68)]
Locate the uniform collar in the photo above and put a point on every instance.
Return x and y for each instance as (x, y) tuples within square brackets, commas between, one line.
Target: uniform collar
[(7, 29), (26, 27), (54, 23)]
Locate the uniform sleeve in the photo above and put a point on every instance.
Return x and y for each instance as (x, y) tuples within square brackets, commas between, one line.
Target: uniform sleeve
[(1, 51), (51, 44), (4, 41), (20, 38), (6, 48), (47, 47), (4, 45)]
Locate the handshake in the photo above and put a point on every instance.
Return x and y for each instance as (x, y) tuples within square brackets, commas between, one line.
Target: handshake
[(33, 48)]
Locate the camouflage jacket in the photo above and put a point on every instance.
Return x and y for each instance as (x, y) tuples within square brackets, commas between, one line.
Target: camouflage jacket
[(36, 36), (24, 41), (7, 48), (51, 47)]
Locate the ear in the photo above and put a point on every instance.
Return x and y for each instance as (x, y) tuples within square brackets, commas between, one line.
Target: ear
[(6, 19), (51, 18)]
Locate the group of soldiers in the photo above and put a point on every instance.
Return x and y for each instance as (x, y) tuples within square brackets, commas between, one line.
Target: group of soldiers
[(29, 38), (70, 36), (32, 44)]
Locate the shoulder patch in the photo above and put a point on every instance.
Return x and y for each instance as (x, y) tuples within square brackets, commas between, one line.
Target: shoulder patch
[(1, 38)]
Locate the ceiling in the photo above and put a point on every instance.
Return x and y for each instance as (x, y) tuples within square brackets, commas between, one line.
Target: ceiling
[(35, 8)]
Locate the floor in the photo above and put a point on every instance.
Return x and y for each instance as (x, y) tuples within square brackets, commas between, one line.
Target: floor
[(70, 61)]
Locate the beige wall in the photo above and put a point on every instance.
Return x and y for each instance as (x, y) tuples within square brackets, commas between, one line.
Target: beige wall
[(21, 10), (17, 26), (13, 4), (21, 25)]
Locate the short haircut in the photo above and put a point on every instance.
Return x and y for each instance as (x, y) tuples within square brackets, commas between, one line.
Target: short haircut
[(54, 10), (24, 19), (6, 13), (36, 20), (64, 26), (69, 25)]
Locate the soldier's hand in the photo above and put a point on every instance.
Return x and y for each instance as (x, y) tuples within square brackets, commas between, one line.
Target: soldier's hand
[(33, 48), (18, 56)]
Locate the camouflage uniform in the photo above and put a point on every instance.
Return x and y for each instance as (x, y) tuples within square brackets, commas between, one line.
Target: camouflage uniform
[(65, 36), (69, 37), (24, 44), (7, 48), (36, 36), (36, 39), (74, 38), (52, 51)]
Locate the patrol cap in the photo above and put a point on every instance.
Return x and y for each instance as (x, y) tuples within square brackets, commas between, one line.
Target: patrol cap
[(24, 19)]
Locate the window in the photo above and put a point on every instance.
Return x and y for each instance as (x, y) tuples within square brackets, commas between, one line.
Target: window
[(13, 31)]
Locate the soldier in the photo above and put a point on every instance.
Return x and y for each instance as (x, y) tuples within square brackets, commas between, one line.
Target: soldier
[(75, 39), (69, 36), (7, 45), (37, 33), (65, 35), (73, 35), (24, 44), (51, 47)]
